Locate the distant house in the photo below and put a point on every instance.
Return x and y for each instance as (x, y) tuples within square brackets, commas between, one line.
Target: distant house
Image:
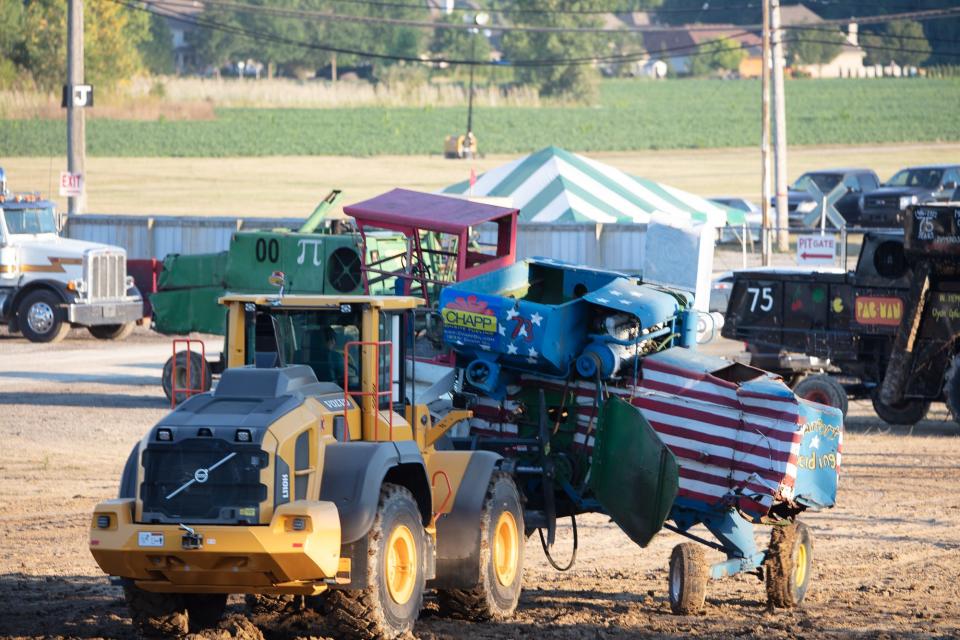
[(676, 47), (847, 64)]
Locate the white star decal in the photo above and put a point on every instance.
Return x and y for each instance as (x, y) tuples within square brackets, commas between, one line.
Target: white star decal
[(460, 342), (616, 293), (523, 332), (815, 443), (532, 360), (511, 314), (636, 294), (536, 318), (532, 353), (502, 330), (511, 349), (485, 347), (602, 300)]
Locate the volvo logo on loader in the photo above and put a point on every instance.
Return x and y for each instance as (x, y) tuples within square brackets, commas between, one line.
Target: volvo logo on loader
[(201, 475)]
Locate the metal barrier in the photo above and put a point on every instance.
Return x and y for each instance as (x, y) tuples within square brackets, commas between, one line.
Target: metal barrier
[(741, 248)]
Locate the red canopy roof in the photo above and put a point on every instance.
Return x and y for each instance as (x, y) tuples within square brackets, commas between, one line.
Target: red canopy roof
[(402, 207)]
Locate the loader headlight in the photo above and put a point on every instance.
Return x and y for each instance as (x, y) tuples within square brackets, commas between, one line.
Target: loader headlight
[(242, 435), (103, 521), (298, 524), (164, 435)]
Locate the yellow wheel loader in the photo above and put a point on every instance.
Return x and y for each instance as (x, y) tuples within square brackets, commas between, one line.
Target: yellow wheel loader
[(311, 470)]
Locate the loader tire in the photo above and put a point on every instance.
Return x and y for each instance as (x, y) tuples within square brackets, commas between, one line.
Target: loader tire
[(688, 579), (823, 389), (501, 559), (112, 331), (156, 615), (908, 411), (390, 603), (951, 388), (201, 378), (788, 566)]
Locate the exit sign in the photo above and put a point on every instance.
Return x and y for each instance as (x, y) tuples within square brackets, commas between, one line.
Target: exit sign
[(71, 184)]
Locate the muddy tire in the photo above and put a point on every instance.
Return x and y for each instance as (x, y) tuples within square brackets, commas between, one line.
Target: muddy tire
[(201, 378), (951, 388), (501, 559), (112, 331), (41, 318), (156, 615), (688, 578), (391, 602), (823, 389), (907, 411), (788, 566)]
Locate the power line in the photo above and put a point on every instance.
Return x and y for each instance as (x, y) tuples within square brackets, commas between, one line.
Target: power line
[(269, 37), (872, 33), (630, 57), (929, 14)]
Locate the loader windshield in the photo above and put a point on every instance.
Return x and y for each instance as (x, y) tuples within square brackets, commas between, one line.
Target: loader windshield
[(315, 338)]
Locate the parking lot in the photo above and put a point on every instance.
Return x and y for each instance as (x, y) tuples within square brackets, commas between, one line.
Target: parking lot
[(887, 558)]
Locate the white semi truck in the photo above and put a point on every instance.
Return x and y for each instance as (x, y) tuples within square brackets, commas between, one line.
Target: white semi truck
[(49, 283)]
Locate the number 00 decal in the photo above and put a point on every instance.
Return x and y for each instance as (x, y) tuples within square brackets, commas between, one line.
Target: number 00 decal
[(267, 250)]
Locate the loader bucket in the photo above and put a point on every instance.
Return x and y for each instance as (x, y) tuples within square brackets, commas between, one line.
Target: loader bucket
[(633, 474)]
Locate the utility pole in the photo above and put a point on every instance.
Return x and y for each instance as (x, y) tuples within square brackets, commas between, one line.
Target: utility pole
[(76, 119), (765, 237), (780, 128)]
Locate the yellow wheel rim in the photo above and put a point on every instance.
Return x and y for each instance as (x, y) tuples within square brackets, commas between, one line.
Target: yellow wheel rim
[(401, 564), (506, 549), (800, 566)]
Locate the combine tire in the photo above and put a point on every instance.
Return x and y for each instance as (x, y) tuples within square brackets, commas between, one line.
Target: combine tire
[(688, 578), (823, 389), (391, 602), (111, 331), (501, 559), (157, 615), (907, 411), (789, 565), (41, 318), (201, 377), (951, 389)]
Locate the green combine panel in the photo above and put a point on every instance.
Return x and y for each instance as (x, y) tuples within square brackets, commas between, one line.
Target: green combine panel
[(634, 475), (318, 263)]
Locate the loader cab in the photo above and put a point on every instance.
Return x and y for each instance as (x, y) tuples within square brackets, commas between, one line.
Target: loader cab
[(354, 344)]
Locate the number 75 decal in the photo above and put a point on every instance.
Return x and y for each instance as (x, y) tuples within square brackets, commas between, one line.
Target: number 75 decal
[(763, 295)]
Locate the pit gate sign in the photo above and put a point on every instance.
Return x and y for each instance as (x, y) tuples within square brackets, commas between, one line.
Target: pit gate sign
[(816, 250)]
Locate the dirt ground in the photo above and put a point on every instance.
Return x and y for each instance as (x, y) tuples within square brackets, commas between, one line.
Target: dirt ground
[(887, 558)]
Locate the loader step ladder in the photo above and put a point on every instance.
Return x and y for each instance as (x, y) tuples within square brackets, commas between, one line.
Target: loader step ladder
[(376, 393)]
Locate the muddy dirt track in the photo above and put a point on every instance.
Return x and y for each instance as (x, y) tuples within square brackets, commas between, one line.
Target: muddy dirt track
[(887, 560)]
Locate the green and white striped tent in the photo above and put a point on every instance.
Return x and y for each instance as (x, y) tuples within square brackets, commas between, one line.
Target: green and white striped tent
[(556, 186)]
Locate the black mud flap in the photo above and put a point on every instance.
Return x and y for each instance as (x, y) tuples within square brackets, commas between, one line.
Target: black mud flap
[(633, 475)]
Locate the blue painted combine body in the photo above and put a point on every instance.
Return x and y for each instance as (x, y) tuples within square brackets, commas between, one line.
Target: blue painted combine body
[(742, 448)]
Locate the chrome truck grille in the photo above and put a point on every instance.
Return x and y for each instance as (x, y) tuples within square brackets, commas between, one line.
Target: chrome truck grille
[(105, 274)]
